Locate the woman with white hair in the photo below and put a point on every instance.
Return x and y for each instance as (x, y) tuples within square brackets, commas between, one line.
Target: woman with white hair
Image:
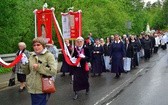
[(80, 72), (20, 75)]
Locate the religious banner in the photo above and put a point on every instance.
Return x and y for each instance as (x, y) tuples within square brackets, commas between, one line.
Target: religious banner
[(65, 26), (44, 24), (75, 19)]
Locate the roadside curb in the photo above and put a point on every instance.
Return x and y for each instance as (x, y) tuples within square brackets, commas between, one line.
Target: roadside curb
[(4, 85)]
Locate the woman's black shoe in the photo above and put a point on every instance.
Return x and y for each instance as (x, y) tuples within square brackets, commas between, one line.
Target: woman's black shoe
[(76, 96), (21, 90), (93, 75), (99, 74), (62, 75), (87, 91), (117, 76)]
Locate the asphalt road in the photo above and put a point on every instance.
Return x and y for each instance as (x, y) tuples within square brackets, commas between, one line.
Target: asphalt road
[(149, 87)]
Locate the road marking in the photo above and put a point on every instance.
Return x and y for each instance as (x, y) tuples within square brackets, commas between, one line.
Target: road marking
[(118, 88)]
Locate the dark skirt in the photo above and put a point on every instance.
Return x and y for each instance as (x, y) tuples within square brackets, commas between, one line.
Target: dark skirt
[(135, 60), (98, 65), (65, 68), (21, 77), (117, 65), (164, 47), (147, 54), (80, 80)]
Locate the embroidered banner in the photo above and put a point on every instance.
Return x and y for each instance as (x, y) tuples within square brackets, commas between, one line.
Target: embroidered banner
[(75, 19), (44, 24), (65, 26)]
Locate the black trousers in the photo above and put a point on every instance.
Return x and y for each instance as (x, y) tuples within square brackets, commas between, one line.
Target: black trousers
[(155, 49), (147, 53)]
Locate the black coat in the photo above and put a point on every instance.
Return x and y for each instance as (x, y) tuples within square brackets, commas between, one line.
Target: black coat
[(129, 50), (147, 45), (98, 61), (107, 49), (81, 77), (65, 66), (90, 48), (152, 41)]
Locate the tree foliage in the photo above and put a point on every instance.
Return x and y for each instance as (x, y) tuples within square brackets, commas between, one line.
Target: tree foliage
[(101, 17)]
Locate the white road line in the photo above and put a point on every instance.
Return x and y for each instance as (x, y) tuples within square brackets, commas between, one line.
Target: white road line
[(103, 98)]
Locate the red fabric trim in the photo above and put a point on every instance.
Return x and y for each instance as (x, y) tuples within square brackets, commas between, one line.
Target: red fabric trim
[(15, 61)]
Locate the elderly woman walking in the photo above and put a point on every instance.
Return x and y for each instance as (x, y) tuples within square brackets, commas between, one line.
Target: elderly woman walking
[(41, 63), (80, 72), (20, 74)]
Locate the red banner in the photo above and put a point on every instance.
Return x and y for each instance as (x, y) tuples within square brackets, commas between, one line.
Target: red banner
[(75, 19), (16, 60), (44, 24), (60, 40)]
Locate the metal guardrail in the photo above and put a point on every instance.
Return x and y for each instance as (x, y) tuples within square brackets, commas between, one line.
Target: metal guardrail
[(11, 57), (8, 57)]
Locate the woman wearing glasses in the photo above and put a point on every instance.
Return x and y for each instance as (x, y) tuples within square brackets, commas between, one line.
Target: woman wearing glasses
[(41, 62)]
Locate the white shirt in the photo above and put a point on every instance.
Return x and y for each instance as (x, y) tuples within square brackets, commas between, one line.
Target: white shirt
[(157, 41)]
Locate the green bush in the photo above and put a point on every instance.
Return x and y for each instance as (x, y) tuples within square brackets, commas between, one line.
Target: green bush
[(4, 70)]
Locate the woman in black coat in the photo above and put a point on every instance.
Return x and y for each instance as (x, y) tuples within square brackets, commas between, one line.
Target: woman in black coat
[(129, 49), (65, 66), (98, 61), (147, 45), (80, 72), (129, 52), (136, 48)]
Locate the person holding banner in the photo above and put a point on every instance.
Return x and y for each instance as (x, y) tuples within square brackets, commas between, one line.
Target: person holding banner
[(41, 63), (65, 67), (81, 71)]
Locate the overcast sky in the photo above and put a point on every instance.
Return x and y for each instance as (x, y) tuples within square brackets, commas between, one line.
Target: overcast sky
[(152, 1)]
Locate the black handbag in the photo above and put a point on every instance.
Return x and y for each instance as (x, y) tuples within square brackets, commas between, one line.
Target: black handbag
[(11, 82)]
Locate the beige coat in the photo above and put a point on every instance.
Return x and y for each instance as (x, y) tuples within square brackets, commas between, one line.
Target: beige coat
[(47, 66)]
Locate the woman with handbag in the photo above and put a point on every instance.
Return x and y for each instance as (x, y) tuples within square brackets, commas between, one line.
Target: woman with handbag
[(41, 64), (81, 71)]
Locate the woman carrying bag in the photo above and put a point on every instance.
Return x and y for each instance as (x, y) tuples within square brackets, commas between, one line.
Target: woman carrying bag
[(41, 64)]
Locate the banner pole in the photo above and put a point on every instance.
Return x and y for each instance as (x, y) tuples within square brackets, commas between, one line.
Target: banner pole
[(35, 22)]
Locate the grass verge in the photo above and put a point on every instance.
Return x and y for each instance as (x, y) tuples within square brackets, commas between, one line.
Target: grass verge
[(4, 70)]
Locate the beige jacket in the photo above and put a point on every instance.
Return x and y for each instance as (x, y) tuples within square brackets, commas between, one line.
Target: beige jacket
[(47, 66)]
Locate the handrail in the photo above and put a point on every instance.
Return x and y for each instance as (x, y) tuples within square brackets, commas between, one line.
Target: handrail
[(11, 57)]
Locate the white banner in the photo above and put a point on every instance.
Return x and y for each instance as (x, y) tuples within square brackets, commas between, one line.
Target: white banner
[(65, 25)]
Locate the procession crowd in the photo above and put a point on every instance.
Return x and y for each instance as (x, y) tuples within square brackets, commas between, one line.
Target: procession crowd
[(131, 48), (116, 54)]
